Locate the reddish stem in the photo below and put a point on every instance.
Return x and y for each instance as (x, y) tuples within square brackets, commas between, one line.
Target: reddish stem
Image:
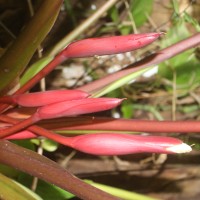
[(97, 123), (37, 130), (56, 61), (103, 123), (6, 99), (49, 171), (20, 125)]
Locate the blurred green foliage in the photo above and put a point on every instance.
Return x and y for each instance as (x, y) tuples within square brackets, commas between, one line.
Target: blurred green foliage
[(185, 65), (10, 190), (139, 11)]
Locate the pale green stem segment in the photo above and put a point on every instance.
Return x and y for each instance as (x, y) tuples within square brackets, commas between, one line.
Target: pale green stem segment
[(118, 83), (123, 194)]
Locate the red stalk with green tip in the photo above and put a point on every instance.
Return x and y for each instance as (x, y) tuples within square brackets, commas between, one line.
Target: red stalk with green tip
[(64, 109)]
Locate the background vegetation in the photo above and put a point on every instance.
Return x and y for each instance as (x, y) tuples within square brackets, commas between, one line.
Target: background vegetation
[(168, 91)]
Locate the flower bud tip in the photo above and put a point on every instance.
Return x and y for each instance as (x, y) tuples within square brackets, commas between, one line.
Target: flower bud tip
[(179, 148)]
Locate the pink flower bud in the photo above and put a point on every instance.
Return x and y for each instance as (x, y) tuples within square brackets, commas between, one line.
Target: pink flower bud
[(121, 144), (44, 98), (75, 107), (108, 45)]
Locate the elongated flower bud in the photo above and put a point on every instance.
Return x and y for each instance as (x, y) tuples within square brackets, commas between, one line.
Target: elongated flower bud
[(76, 107), (116, 144), (44, 98), (121, 144), (21, 135), (108, 45)]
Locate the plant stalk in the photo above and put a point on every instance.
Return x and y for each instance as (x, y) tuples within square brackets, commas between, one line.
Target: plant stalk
[(35, 129), (111, 124), (49, 171), (56, 61)]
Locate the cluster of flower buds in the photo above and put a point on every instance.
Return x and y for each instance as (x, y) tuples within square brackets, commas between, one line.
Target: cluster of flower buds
[(69, 106), (70, 103), (64, 103)]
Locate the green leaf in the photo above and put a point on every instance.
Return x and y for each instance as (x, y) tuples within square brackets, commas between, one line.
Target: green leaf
[(140, 9), (47, 144), (9, 190), (8, 171), (192, 21), (119, 83), (25, 143), (114, 15), (123, 194), (185, 65), (175, 6), (46, 190), (176, 33), (34, 69), (125, 30), (30, 162), (16, 58), (127, 109), (70, 11)]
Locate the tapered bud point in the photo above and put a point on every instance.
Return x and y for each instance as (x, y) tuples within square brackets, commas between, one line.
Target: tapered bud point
[(108, 45), (76, 107), (121, 144), (44, 98), (179, 148)]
